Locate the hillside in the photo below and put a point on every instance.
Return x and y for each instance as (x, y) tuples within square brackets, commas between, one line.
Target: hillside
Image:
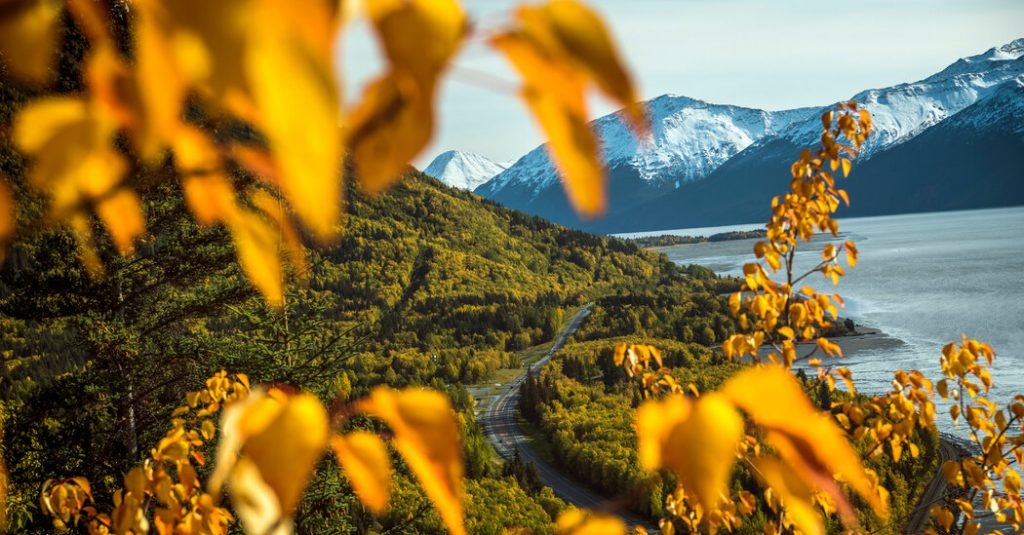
[(428, 285)]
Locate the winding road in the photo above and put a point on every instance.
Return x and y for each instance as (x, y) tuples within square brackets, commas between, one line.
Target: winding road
[(936, 489), (500, 421)]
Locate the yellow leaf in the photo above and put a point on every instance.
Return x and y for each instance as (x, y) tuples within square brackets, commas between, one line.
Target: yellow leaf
[(82, 228), (208, 41), (796, 495), (365, 459), (255, 501), (427, 436), (554, 94), (394, 119), (655, 421), (574, 29), (29, 33), (943, 516), (280, 438), (257, 243), (123, 217), (806, 439), (702, 448), (289, 235), (297, 98), (161, 89), (1011, 482), (42, 119), (575, 521), (287, 449), (135, 482), (210, 198), (208, 429), (846, 167), (387, 130), (75, 159)]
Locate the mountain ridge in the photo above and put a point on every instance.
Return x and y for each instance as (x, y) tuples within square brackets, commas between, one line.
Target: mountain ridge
[(696, 142)]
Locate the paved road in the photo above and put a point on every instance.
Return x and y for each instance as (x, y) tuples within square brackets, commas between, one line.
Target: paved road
[(500, 421), (936, 489)]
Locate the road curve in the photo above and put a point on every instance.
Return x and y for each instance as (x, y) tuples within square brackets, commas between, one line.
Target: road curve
[(936, 489), (500, 422)]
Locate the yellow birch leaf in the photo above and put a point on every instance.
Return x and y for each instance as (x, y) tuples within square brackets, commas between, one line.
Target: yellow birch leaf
[(796, 495), (208, 429), (29, 35), (365, 459), (580, 34), (161, 88), (701, 449), (135, 482), (419, 37), (82, 228), (269, 445), (297, 98), (287, 449), (427, 436), (123, 217), (42, 119), (210, 198), (208, 41), (555, 95), (655, 421), (807, 440), (289, 234), (257, 243), (254, 501), (387, 129), (74, 159), (1011, 482), (575, 521), (394, 118)]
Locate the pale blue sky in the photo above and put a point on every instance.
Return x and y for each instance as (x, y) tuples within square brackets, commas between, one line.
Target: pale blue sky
[(770, 54)]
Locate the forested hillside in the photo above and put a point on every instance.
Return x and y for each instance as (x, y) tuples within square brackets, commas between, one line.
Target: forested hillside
[(429, 285), (587, 406)]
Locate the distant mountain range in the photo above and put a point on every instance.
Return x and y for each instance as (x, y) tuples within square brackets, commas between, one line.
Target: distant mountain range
[(950, 141)]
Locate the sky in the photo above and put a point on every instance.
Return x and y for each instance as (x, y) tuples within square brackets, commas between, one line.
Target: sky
[(769, 54)]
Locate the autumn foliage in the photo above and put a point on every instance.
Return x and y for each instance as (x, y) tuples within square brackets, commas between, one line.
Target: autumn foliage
[(221, 89)]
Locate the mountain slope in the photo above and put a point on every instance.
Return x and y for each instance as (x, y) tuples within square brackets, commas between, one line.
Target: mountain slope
[(464, 170), (690, 139), (737, 191)]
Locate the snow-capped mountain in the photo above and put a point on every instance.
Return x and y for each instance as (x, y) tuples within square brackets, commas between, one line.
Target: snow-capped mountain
[(690, 139), (463, 169), (951, 117), (902, 111)]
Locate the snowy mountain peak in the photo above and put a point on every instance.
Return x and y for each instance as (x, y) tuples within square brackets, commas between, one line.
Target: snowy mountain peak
[(903, 111), (463, 169), (992, 58), (690, 138)]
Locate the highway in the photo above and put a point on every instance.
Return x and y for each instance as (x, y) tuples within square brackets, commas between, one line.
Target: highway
[(936, 489), (500, 421)]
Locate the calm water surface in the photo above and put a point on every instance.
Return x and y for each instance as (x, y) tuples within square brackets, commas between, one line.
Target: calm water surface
[(921, 278)]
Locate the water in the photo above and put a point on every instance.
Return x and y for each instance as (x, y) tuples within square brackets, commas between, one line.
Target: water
[(923, 279)]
